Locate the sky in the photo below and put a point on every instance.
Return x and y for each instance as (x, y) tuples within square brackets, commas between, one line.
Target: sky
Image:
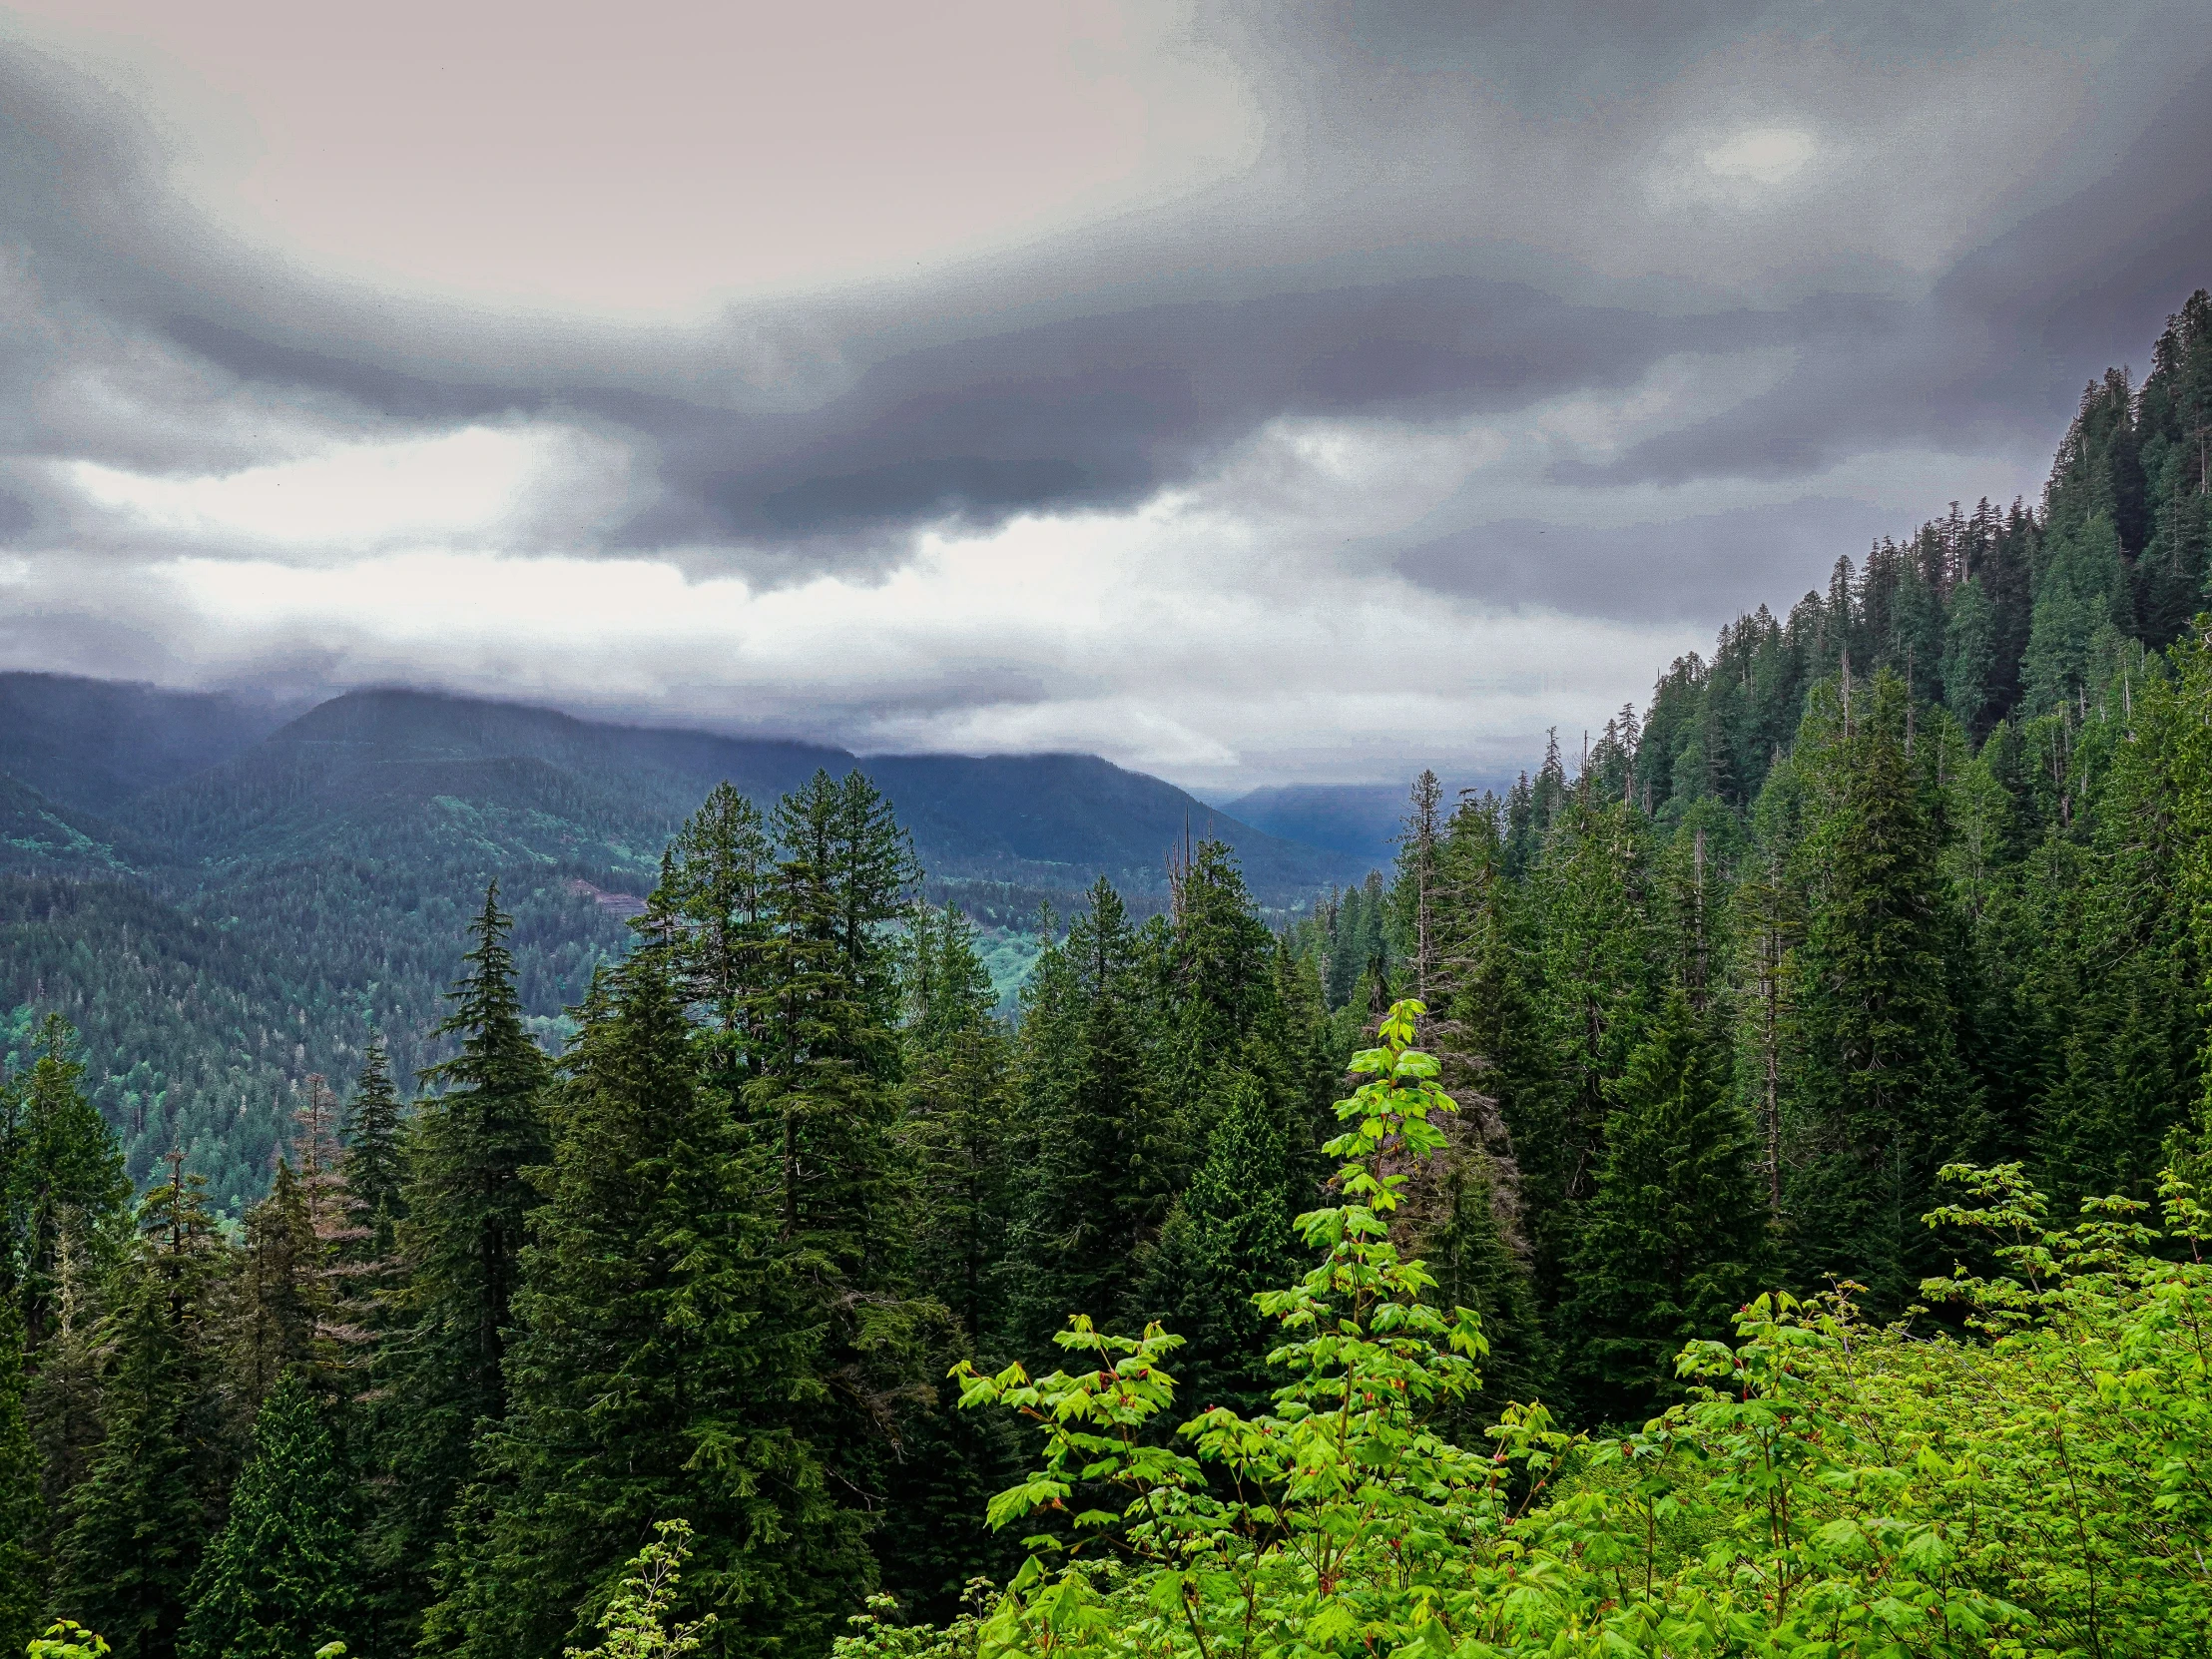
[(1249, 393)]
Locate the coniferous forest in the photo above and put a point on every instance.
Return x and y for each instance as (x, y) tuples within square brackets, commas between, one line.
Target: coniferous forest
[(1740, 1191)]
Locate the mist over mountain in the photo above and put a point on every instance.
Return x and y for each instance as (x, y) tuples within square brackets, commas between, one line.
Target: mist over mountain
[(1362, 820)]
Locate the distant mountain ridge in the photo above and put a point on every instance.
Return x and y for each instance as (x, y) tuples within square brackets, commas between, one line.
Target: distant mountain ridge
[(226, 896), (1363, 822), (1051, 820)]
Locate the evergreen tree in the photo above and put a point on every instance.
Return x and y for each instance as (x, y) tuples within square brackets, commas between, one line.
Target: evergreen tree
[(953, 1123), (1674, 1236), (467, 1201), (711, 910), (1228, 1237), (1461, 1217), (64, 1170), (1094, 1182), (22, 1507), (1882, 1101), (1596, 941), (63, 1397), (668, 1359), (826, 1018), (140, 1519), (375, 1162), (278, 1290), (281, 1578)]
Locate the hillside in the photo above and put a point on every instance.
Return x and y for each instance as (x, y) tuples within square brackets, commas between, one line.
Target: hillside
[(225, 904), (96, 744)]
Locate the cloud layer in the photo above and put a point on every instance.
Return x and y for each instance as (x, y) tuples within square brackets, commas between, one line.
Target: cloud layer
[(1314, 393)]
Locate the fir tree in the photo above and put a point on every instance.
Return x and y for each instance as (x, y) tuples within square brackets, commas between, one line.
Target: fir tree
[(1674, 1236), (281, 1579), (22, 1508), (1228, 1237), (140, 1519), (711, 911), (278, 1290), (1589, 994), (667, 1361), (64, 1172), (1094, 1185), (826, 1020), (466, 1201), (1880, 1099), (953, 1123), (373, 1164)]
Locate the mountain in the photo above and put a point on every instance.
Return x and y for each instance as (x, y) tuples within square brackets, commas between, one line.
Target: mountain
[(1362, 822), (429, 770), (225, 901), (96, 744)]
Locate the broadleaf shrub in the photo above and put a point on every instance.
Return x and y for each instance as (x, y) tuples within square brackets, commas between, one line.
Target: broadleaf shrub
[(2036, 1484)]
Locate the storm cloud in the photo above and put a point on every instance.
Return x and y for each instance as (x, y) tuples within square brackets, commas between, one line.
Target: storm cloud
[(1512, 347)]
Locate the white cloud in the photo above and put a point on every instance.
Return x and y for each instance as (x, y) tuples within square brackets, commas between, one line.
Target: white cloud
[(1764, 154), (1247, 628), (464, 487)]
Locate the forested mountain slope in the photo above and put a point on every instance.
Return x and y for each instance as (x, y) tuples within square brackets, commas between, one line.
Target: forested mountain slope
[(96, 744), (335, 856)]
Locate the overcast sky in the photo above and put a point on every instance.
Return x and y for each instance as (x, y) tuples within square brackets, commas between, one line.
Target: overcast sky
[(1249, 393)]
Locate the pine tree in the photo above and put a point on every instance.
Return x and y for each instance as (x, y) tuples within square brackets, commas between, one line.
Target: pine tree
[(1228, 1237), (281, 1579), (1880, 1100), (22, 1508), (64, 1172), (63, 1401), (277, 1289), (466, 1201), (711, 911), (1461, 1216), (1593, 954), (140, 1520), (825, 1017), (667, 1361), (1674, 1238), (373, 1164), (1094, 1184), (953, 1123)]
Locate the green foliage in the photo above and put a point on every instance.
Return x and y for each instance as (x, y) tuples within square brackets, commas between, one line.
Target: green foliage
[(1096, 1146), (466, 1199), (67, 1639), (1228, 1236), (141, 1517), (1674, 1238), (666, 1358), (1829, 1487), (374, 1165), (282, 1578), (1883, 1099), (636, 1623)]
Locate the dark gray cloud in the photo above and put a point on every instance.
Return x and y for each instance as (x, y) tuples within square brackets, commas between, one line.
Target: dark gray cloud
[(1477, 232), (1646, 571), (1016, 385)]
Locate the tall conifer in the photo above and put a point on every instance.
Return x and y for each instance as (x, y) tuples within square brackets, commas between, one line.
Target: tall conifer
[(140, 1519), (667, 1362), (1881, 1100), (466, 1200), (1674, 1238), (281, 1579)]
